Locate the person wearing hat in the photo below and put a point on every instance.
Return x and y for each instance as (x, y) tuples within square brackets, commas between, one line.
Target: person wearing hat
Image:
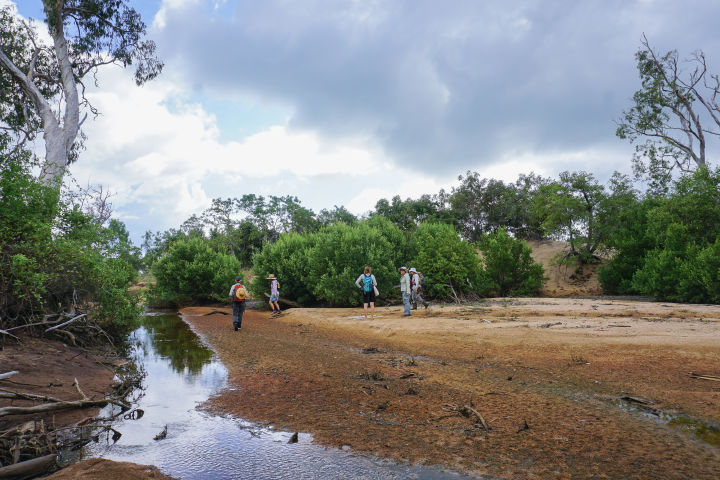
[(405, 290), (238, 303), (274, 294), (416, 289)]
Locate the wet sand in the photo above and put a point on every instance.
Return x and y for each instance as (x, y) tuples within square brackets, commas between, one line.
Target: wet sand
[(547, 375)]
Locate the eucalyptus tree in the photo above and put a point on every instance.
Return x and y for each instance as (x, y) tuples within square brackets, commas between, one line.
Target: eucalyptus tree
[(676, 112), (43, 84)]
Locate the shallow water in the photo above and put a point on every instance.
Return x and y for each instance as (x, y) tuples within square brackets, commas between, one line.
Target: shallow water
[(182, 373)]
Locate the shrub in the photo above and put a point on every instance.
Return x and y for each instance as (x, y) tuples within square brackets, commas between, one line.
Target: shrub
[(510, 269), (446, 260), (289, 260), (192, 272), (341, 252)]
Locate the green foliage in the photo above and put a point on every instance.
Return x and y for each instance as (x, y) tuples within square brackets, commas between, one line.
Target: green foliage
[(684, 264), (509, 267), (341, 252), (52, 255), (484, 205), (289, 260), (446, 260), (192, 272), (408, 214)]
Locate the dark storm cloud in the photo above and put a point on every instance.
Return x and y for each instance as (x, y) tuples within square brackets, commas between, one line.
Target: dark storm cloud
[(457, 83)]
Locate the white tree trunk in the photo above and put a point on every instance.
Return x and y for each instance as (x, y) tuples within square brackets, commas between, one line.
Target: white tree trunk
[(58, 138)]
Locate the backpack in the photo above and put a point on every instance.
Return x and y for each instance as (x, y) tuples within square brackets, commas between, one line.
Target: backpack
[(240, 293), (421, 278), (367, 284)]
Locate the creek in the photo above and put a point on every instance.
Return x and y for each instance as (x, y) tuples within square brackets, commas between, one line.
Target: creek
[(182, 373)]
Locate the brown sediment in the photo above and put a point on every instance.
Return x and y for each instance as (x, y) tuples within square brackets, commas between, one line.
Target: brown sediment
[(101, 469), (547, 375)]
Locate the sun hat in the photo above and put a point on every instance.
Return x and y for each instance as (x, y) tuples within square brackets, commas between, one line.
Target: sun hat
[(412, 270), (271, 277), (403, 268)]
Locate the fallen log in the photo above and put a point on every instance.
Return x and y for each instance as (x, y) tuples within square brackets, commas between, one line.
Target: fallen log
[(5, 332), (51, 407), (28, 468), (3, 376), (700, 376)]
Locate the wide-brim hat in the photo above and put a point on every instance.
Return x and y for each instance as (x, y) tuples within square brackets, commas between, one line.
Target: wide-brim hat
[(271, 277), (403, 268), (412, 270)]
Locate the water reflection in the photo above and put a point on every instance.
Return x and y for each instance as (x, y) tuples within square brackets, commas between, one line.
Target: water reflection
[(175, 342), (182, 373)]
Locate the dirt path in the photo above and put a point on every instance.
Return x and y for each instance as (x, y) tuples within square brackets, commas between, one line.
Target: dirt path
[(548, 375)]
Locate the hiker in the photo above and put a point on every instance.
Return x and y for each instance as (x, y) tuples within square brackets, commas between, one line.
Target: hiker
[(274, 294), (405, 290), (367, 283), (416, 288), (238, 293)]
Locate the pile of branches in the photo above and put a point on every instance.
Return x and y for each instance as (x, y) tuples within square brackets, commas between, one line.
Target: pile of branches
[(74, 327), (31, 448)]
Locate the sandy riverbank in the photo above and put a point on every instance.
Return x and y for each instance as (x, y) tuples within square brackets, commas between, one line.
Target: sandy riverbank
[(547, 375)]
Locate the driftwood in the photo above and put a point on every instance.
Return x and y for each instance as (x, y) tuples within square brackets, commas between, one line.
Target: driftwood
[(5, 332), (467, 410), (66, 323), (699, 376), (53, 406), (28, 468), (3, 376)]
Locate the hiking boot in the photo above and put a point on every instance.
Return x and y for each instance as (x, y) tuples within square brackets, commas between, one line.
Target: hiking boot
[(414, 306), (426, 305), (236, 327)]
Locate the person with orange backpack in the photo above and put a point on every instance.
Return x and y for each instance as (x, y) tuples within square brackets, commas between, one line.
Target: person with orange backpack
[(238, 294)]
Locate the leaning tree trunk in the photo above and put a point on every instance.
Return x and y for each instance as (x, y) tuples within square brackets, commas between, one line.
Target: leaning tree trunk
[(58, 137)]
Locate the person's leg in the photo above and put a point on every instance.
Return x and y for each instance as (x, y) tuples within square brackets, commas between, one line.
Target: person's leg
[(406, 304), (241, 310), (414, 300), (272, 307), (419, 299), (236, 314), (365, 305), (372, 309), (277, 306)]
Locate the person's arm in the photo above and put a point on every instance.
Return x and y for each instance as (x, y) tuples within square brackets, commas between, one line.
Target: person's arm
[(231, 290), (374, 281), (357, 282)]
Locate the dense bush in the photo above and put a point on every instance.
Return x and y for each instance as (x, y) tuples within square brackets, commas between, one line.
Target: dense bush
[(53, 255), (192, 272), (289, 260), (508, 266), (667, 247), (447, 261), (322, 267)]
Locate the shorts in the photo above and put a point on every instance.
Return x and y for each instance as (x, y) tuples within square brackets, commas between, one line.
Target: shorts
[(369, 297), (274, 298)]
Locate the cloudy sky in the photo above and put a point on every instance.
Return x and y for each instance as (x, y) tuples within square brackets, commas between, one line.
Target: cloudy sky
[(345, 102)]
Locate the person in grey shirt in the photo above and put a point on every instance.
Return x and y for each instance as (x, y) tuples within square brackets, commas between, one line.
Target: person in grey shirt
[(405, 290), (416, 288), (367, 283)]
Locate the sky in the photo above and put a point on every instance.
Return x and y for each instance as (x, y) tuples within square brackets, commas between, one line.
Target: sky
[(344, 102)]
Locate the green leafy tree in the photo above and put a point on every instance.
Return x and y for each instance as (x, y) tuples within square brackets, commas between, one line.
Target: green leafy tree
[(408, 214), (192, 272), (447, 261), (509, 266)]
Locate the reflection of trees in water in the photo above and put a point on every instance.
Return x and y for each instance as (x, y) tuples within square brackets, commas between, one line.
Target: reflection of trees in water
[(172, 339)]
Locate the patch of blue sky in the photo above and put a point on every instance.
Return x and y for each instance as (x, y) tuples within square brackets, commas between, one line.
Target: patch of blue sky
[(239, 118)]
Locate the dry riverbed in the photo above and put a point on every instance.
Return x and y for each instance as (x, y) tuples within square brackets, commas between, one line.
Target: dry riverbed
[(548, 376)]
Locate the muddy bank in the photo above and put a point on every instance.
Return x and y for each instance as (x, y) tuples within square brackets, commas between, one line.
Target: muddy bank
[(49, 367), (100, 469), (547, 375)]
